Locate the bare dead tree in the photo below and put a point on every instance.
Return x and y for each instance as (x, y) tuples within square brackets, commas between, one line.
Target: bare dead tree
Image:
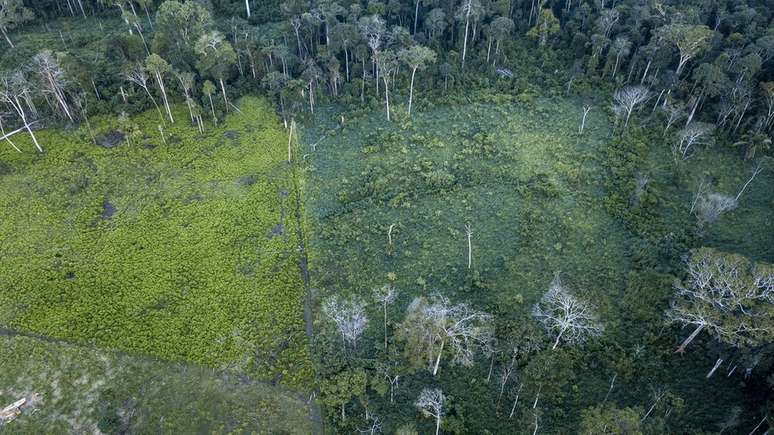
[(715, 367), (565, 316), (52, 81), (726, 295), (758, 169), (436, 327), (586, 110), (139, 77), (469, 234), (515, 401), (15, 91), (674, 113), (657, 393), (349, 317), (627, 99), (710, 206), (695, 133), (431, 403), (464, 329), (385, 295)]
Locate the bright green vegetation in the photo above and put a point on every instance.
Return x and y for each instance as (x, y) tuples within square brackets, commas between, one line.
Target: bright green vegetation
[(197, 263), (540, 198), (82, 390)]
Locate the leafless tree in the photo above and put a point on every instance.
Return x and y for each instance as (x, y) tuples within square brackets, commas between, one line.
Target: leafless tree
[(469, 234), (464, 329), (431, 403), (627, 99), (14, 91), (724, 294), (709, 206), (436, 325), (695, 133), (565, 316), (385, 295), (52, 80), (349, 317), (758, 169), (586, 110), (657, 393), (388, 372), (674, 113), (139, 77)]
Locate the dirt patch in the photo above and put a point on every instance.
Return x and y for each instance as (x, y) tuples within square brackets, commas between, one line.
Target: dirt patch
[(248, 180), (108, 209), (110, 140), (5, 168), (277, 231)]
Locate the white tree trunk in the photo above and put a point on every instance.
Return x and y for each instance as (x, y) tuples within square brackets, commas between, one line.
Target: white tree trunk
[(411, 90), (438, 360)]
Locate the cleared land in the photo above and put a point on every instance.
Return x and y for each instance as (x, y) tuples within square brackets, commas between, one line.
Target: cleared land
[(185, 251)]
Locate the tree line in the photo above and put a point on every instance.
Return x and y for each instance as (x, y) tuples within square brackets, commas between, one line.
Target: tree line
[(702, 68)]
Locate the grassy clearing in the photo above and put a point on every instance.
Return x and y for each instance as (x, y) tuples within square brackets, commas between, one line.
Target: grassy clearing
[(84, 390), (197, 262)]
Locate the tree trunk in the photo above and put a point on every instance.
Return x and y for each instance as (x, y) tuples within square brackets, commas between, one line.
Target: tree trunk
[(7, 38), (387, 97), (558, 337), (346, 61), (160, 81), (247, 7), (438, 360), (223, 89), (212, 108), (645, 74), (465, 42), (385, 325), (411, 90), (437, 424), (690, 338)]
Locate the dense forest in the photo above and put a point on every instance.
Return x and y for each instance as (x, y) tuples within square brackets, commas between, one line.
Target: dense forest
[(483, 216)]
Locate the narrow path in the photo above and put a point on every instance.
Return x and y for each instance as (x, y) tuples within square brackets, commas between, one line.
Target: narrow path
[(315, 413)]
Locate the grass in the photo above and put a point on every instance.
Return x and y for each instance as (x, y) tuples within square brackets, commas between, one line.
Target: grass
[(82, 389), (198, 263)]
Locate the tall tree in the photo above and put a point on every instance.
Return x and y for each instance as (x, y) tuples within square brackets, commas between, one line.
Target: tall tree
[(727, 295), (689, 39), (14, 88), (432, 403), (435, 327), (416, 57), (158, 67), (349, 317), (546, 26), (217, 58), (565, 316)]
